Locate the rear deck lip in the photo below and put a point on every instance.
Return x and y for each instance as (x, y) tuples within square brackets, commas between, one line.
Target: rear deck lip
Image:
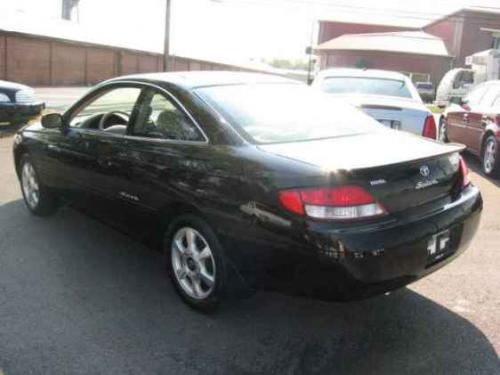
[(447, 149)]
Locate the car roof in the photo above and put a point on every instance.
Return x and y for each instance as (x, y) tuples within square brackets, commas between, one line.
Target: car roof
[(490, 83), (351, 72), (12, 85), (196, 79)]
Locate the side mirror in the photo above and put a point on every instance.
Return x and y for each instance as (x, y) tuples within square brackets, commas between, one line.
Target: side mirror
[(52, 121)]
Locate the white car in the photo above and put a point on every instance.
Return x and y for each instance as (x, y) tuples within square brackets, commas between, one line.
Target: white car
[(389, 97)]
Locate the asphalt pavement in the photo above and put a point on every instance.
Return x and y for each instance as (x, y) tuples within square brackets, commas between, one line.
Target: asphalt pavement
[(77, 297)]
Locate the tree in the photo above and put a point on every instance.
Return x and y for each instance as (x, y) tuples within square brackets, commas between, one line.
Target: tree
[(297, 64)]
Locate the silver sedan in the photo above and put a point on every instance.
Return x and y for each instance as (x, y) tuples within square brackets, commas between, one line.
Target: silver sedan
[(389, 97)]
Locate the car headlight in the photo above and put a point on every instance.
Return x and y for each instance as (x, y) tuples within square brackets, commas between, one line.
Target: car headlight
[(4, 98)]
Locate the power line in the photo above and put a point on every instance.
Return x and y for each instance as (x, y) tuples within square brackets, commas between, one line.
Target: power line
[(330, 5), (414, 15)]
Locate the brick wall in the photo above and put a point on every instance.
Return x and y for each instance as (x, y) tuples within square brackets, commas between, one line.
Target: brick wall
[(462, 33), (40, 61), (449, 30), (473, 38), (68, 64), (26, 59), (101, 64)]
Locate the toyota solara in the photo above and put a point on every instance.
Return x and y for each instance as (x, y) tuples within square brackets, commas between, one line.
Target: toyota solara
[(255, 181)]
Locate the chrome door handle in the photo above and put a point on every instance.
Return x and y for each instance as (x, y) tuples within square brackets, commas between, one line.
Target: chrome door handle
[(465, 117)]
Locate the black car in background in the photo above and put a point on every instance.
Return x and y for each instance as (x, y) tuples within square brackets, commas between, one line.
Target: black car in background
[(256, 180), (17, 103)]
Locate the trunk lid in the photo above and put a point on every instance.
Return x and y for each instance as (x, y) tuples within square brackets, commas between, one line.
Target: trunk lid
[(414, 184), (401, 170), (395, 113)]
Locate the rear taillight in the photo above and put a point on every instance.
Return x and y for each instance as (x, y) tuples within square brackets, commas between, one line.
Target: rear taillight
[(340, 203), (464, 173), (430, 129)]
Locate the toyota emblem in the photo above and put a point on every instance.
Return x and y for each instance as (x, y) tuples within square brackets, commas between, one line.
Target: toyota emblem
[(425, 171)]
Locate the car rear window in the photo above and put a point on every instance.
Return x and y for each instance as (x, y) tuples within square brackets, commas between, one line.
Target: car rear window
[(425, 86), (274, 113), (366, 85)]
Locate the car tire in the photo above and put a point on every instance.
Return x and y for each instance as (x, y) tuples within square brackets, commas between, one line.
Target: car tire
[(196, 262), (39, 199), (443, 134), (490, 160)]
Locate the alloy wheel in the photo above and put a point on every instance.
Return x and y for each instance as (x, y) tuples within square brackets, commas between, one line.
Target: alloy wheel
[(193, 263), (31, 188), (489, 156)]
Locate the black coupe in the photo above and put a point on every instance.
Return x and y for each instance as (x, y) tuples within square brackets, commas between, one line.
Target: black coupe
[(257, 181)]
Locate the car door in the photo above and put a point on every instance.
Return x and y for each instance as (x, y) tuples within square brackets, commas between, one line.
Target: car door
[(173, 163), (90, 152), (455, 124), (458, 119), (167, 152)]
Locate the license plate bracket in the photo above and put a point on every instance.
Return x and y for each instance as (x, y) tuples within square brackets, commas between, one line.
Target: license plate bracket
[(439, 245), (393, 124)]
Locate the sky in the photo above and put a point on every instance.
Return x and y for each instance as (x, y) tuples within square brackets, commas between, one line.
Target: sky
[(221, 30), (282, 28)]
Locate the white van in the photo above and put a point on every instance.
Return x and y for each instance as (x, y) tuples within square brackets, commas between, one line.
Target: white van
[(454, 86)]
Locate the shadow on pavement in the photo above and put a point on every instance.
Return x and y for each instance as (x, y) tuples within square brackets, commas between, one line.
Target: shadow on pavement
[(77, 297)]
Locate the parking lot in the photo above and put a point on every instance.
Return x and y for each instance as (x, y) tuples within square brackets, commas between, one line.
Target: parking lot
[(79, 297)]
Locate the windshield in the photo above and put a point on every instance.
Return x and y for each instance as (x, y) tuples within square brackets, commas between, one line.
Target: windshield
[(272, 113), (366, 85)]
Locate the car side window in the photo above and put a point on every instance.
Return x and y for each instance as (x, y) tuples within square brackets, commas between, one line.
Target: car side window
[(477, 94), (490, 96), (496, 102), (114, 106), (158, 117)]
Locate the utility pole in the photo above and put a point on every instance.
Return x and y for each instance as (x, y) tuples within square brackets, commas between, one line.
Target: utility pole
[(166, 45), (310, 51)]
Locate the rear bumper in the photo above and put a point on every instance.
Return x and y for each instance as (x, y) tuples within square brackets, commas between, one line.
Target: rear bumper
[(13, 112), (350, 264), (401, 251)]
